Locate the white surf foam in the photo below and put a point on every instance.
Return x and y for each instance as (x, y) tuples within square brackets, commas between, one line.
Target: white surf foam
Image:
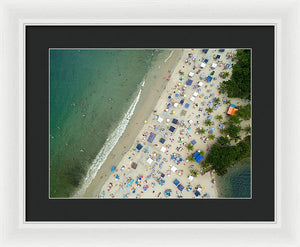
[(108, 146), (171, 53)]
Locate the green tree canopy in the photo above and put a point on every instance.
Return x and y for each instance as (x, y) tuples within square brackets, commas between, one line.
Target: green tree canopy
[(200, 131), (235, 119), (191, 158), (228, 102), (239, 86), (221, 157), (223, 141), (190, 147), (219, 117), (208, 122), (209, 110), (211, 137), (194, 173), (244, 112), (233, 131), (216, 100), (248, 129)]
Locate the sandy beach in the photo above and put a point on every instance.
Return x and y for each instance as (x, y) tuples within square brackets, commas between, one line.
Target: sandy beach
[(170, 111)]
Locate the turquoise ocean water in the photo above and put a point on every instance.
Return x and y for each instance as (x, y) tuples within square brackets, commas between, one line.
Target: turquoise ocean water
[(90, 90), (237, 182)]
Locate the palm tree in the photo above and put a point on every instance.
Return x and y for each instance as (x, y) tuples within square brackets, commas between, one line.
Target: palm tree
[(194, 173), (216, 100), (228, 102), (204, 165), (208, 122), (200, 131), (209, 110), (248, 129), (235, 119), (201, 152), (237, 138), (211, 137), (223, 88), (226, 74), (219, 117), (191, 158), (190, 147)]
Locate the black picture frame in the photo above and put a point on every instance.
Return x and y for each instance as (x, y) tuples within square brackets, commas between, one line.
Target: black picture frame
[(259, 38)]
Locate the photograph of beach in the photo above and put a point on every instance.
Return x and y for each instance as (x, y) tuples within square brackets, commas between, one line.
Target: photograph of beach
[(150, 123)]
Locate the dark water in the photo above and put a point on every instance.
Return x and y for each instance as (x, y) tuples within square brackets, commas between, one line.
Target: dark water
[(89, 92), (237, 183)]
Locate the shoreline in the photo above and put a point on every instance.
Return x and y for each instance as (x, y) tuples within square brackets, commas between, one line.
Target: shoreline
[(151, 92), (224, 191), (159, 107)]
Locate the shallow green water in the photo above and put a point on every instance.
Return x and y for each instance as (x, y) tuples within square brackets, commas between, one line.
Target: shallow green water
[(237, 183)]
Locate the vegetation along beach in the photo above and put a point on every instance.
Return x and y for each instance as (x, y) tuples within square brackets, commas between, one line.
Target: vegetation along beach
[(150, 123)]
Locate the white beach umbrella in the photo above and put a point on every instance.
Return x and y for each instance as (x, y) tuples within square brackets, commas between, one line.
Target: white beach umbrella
[(173, 169), (200, 84), (191, 74), (149, 161)]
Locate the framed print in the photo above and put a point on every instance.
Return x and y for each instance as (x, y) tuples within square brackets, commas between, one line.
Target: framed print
[(162, 127), (94, 147)]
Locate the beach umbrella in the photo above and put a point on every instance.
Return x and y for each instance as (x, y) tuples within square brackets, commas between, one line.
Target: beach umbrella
[(202, 75), (112, 168), (145, 121)]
